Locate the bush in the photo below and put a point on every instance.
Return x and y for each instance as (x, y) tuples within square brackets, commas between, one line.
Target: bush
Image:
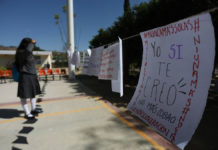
[(3, 68)]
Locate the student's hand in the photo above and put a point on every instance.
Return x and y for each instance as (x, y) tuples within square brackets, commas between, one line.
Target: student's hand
[(34, 41)]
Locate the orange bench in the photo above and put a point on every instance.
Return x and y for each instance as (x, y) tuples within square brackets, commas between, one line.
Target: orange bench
[(7, 74), (56, 72), (2, 76), (49, 73)]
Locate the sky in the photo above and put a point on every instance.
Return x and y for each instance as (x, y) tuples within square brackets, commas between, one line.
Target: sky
[(35, 19)]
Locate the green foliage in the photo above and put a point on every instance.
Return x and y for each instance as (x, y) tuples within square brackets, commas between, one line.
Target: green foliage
[(56, 17), (36, 48), (126, 6), (60, 26), (2, 47), (3, 68), (146, 16), (64, 8), (60, 59)]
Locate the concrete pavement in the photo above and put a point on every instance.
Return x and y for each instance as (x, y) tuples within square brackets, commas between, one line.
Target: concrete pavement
[(73, 118)]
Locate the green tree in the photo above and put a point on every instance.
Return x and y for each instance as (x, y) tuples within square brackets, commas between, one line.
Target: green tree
[(126, 6), (147, 16), (36, 48)]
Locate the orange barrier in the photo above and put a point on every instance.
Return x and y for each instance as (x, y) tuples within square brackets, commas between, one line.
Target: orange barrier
[(49, 72), (45, 73), (7, 74), (41, 74), (56, 72), (2, 77)]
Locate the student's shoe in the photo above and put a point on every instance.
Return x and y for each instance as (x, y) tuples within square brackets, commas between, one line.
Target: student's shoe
[(29, 116), (36, 111)]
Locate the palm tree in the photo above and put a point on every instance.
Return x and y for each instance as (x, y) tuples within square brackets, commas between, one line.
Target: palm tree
[(61, 30)]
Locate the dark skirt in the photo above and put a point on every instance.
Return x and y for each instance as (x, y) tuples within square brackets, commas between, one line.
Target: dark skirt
[(28, 86)]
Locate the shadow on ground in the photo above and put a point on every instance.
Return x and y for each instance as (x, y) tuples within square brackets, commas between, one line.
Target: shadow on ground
[(103, 88), (96, 138), (43, 89), (10, 113), (206, 135)]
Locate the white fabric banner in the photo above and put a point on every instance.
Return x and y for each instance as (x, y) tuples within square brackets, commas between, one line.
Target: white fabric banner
[(85, 61), (117, 85), (175, 77), (88, 52), (94, 61), (70, 65), (109, 63), (76, 59)]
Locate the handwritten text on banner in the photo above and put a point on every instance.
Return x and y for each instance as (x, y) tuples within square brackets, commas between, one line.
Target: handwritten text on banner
[(109, 63), (175, 76), (95, 61)]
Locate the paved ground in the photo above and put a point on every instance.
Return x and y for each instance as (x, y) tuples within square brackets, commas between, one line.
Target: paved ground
[(205, 136), (73, 118)]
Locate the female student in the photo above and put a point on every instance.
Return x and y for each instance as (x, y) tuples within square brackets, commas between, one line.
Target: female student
[(28, 85)]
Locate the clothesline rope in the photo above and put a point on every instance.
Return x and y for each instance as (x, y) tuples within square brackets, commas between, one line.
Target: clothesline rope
[(207, 11)]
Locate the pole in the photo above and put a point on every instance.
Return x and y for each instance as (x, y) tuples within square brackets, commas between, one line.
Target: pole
[(70, 39)]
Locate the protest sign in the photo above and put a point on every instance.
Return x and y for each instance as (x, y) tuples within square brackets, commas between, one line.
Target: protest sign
[(94, 61), (117, 85), (109, 63), (84, 61), (175, 77)]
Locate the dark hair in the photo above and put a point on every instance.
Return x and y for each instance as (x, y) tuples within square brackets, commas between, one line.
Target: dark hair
[(24, 43)]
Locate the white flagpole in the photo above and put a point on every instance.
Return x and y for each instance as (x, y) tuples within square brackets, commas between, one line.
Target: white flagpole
[(70, 39)]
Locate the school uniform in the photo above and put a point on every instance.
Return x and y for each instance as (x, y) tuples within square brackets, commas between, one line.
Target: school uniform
[(28, 85)]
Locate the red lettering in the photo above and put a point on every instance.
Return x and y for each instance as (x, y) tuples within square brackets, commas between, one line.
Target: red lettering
[(162, 31), (172, 137), (189, 102), (191, 93), (196, 57), (197, 40), (197, 25), (180, 122), (185, 26), (188, 22), (195, 65), (171, 26), (168, 31), (194, 82), (145, 35), (179, 28), (196, 49), (185, 111)]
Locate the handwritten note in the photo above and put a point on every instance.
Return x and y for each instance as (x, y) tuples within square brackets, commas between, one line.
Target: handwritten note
[(95, 61), (109, 63), (175, 76)]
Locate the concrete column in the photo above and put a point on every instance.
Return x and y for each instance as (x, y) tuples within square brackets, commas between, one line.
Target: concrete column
[(70, 39)]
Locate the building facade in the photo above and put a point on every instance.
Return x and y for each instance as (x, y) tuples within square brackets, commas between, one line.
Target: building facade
[(7, 57)]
